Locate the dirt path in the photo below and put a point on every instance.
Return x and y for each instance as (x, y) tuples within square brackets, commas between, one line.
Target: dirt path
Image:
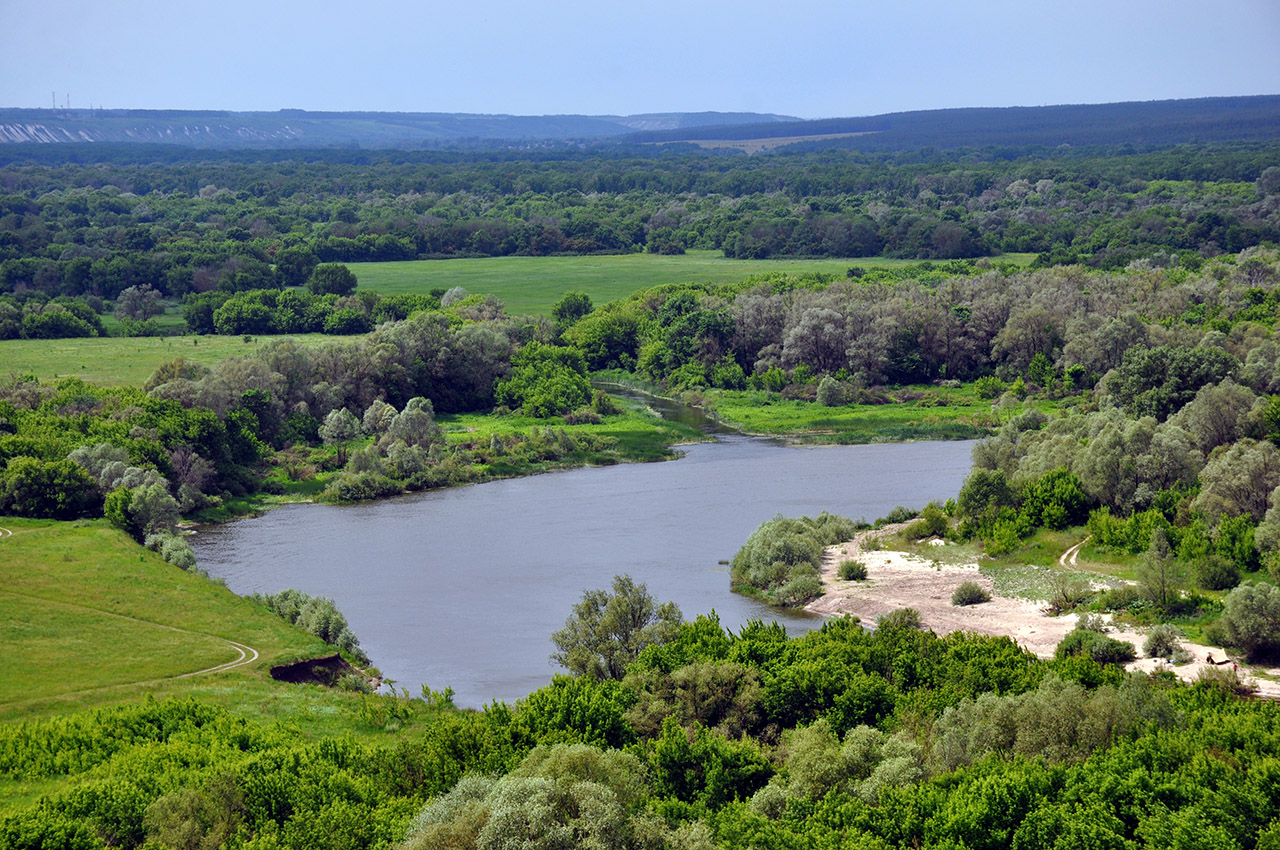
[(246, 654), (1070, 556), (902, 580)]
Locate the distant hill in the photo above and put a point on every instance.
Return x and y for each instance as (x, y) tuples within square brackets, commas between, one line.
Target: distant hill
[(1161, 122), (1151, 123), (298, 128)]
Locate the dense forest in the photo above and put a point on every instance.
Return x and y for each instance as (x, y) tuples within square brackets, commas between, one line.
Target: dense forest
[(842, 738), (125, 219)]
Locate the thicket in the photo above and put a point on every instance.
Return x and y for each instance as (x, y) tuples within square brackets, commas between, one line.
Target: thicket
[(896, 737), (780, 561), (317, 615)]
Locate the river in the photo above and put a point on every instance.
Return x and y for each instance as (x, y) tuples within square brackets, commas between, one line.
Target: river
[(463, 587)]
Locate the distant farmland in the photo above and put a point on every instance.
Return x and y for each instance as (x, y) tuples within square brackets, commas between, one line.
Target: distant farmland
[(531, 285)]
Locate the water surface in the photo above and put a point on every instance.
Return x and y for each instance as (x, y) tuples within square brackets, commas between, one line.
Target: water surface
[(463, 587)]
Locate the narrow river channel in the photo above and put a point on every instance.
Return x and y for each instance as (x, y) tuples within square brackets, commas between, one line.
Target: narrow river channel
[(463, 587)]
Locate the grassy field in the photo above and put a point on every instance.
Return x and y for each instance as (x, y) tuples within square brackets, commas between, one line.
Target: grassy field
[(120, 360), (525, 284), (958, 416), (89, 617), (534, 284)]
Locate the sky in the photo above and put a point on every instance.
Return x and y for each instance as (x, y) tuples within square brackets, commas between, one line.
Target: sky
[(805, 58)]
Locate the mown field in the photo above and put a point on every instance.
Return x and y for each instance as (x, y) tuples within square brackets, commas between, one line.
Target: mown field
[(534, 284)]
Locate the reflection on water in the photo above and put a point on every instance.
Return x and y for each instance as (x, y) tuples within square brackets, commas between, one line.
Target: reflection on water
[(463, 587)]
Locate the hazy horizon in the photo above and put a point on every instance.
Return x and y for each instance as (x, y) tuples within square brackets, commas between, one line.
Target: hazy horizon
[(809, 59)]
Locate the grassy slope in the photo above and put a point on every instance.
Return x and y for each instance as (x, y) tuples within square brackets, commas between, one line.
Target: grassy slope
[(96, 619)]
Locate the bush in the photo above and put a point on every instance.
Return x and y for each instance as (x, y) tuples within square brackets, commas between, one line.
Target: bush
[(1067, 593), (932, 523), (988, 387), (852, 570), (1095, 645), (1214, 572), (902, 618), (1225, 679), (1251, 619), (970, 593), (830, 392), (779, 562), (1162, 642)]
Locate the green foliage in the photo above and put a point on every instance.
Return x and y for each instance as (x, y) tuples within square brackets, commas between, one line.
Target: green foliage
[(1251, 619), (607, 631), (47, 489), (1159, 381), (577, 709), (1096, 646), (989, 387), (779, 562), (970, 593), (545, 381), (723, 696), (852, 570), (331, 279), (571, 308), (932, 523), (830, 392), (317, 615), (1163, 641)]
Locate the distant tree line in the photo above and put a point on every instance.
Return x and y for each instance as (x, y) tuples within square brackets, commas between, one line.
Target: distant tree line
[(237, 223)]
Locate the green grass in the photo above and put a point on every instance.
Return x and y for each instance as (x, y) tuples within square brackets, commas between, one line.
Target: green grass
[(641, 435), (533, 284), (116, 360), (92, 617), (961, 417)]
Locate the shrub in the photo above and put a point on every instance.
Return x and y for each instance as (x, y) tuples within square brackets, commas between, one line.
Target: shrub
[(988, 387), (1214, 572), (898, 514), (1225, 679), (1091, 644), (1162, 642), (830, 392), (902, 618), (780, 560), (582, 416), (1251, 619), (932, 523), (852, 570), (970, 593), (1067, 593)]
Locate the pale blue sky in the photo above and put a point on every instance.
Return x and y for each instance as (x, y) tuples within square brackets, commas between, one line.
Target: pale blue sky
[(810, 58)]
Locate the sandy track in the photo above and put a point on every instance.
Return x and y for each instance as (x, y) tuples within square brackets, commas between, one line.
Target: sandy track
[(901, 580)]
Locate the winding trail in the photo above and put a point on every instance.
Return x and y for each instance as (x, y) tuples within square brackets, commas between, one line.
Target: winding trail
[(1070, 556), (245, 654)]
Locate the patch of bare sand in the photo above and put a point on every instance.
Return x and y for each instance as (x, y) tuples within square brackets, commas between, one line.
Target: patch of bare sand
[(902, 580)]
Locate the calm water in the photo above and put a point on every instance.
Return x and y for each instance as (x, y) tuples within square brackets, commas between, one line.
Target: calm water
[(463, 587)]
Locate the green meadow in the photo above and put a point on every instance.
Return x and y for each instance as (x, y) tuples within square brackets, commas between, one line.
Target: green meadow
[(933, 414), (533, 284), (122, 360), (89, 617)]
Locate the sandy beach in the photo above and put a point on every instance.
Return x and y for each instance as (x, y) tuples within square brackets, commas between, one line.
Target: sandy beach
[(903, 580)]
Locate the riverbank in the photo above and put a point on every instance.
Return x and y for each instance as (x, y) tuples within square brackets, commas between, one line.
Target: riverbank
[(898, 579)]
